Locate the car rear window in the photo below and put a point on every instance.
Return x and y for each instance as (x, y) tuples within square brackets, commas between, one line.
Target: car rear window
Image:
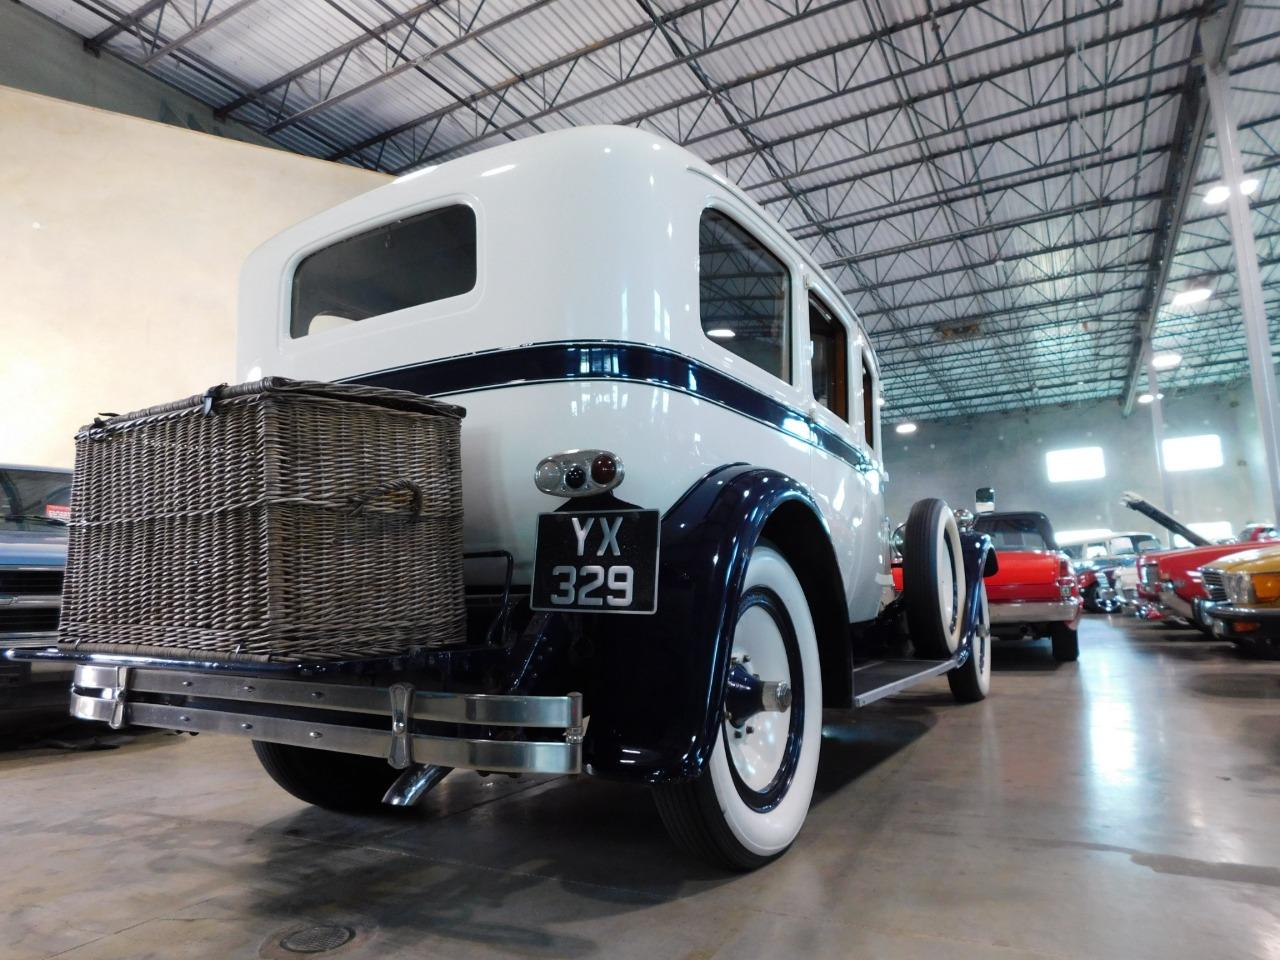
[(1010, 533), (420, 259)]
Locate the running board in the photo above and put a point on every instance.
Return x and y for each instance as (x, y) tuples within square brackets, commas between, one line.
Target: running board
[(876, 679)]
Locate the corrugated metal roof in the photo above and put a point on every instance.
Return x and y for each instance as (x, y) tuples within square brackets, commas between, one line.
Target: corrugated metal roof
[(988, 182)]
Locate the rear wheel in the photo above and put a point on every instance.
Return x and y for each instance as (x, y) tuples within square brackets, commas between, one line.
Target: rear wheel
[(933, 579), (335, 781), (1066, 642), (750, 802), (971, 681)]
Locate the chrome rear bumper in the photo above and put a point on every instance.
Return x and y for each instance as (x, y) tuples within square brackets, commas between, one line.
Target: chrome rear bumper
[(384, 721), (1035, 611)]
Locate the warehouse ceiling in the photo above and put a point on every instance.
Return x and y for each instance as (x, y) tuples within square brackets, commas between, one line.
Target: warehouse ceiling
[(1010, 193)]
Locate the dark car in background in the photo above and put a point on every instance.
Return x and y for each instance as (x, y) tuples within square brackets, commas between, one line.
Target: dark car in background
[(35, 508)]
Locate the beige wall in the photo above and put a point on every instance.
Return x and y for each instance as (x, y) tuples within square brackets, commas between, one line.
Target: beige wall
[(120, 247)]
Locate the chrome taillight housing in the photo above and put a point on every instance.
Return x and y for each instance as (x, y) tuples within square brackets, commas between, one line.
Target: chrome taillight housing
[(578, 473)]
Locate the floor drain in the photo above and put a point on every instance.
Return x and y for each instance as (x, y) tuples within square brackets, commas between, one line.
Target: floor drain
[(320, 938)]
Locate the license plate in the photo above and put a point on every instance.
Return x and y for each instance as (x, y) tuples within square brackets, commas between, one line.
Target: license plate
[(597, 562)]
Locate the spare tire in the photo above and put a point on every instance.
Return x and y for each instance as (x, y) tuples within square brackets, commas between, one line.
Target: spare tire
[(933, 580)]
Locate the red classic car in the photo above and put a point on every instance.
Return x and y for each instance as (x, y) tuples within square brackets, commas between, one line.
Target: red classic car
[(1034, 593), (1170, 580)]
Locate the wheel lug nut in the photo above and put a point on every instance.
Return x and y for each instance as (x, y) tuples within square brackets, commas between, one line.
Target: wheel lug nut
[(751, 729)]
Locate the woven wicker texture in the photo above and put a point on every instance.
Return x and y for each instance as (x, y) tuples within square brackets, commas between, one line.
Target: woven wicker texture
[(278, 520)]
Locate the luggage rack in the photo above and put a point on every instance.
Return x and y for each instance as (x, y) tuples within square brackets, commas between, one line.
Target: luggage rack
[(398, 723), (365, 707)]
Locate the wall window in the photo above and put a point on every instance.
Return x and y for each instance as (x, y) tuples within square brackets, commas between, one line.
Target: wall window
[(1076, 463), (829, 344), (1193, 453), (870, 409), (427, 257), (1211, 530), (744, 295)]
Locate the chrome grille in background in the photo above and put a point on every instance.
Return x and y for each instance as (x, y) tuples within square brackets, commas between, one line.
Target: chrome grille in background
[(1150, 574), (1214, 586), (31, 581)]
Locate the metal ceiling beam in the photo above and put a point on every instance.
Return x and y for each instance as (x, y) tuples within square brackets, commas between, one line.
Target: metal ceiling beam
[(189, 60), (1011, 224), (412, 63), (945, 90), (958, 294), (373, 33), (1106, 108), (762, 74), (663, 18), (1003, 136), (1076, 162), (95, 43), (1068, 247), (884, 336), (209, 23), (1175, 196), (1191, 134), (871, 216)]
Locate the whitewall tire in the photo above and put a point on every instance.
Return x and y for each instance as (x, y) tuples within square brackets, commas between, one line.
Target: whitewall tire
[(750, 802), (933, 579), (971, 681)]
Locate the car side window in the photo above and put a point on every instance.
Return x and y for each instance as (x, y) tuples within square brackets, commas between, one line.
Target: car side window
[(744, 294), (869, 405), (829, 346)]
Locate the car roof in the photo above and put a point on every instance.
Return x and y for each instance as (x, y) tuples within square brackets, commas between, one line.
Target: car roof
[(26, 466), (1014, 515)]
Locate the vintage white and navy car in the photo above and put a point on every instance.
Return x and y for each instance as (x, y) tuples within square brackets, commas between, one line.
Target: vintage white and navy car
[(678, 551)]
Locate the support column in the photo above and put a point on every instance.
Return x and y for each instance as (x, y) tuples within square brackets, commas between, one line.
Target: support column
[(1157, 431), (1257, 336)]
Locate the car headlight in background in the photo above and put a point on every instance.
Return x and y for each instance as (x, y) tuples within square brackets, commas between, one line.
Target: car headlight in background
[(1237, 585)]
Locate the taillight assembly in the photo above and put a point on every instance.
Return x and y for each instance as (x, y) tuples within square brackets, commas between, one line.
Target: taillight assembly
[(1066, 577), (578, 473)]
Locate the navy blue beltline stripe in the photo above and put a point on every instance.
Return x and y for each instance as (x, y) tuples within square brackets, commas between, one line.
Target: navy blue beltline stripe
[(612, 360)]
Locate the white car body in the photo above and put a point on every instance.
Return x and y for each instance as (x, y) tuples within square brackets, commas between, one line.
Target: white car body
[(589, 238)]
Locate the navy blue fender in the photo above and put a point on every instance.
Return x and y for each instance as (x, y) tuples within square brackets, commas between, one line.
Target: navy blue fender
[(657, 685), (979, 558)]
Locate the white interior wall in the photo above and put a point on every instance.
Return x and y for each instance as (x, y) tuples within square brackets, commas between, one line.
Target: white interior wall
[(122, 241), (953, 459)]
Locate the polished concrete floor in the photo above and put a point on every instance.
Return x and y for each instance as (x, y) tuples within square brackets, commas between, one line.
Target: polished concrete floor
[(1126, 806)]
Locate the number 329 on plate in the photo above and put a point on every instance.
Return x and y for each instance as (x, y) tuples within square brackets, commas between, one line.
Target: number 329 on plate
[(596, 562)]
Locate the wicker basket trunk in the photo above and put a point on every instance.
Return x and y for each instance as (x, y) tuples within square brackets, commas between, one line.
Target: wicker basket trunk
[(276, 520)]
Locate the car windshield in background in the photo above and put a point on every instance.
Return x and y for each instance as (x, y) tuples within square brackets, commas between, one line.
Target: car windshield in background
[(1146, 544), (34, 499), (1008, 533)]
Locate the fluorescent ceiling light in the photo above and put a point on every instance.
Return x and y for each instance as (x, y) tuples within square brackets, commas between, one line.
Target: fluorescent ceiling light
[(1185, 298), (879, 401), (1166, 359), (1249, 187), (1218, 193), (721, 333), (1147, 398), (906, 428)]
